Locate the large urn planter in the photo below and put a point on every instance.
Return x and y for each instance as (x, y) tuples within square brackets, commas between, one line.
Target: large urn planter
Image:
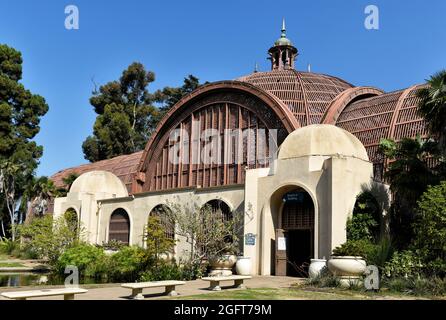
[(243, 266), (349, 270), (317, 268), (222, 266)]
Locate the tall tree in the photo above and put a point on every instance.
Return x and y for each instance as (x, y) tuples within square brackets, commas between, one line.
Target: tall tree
[(20, 113), (409, 175), (168, 96), (125, 115), (433, 107)]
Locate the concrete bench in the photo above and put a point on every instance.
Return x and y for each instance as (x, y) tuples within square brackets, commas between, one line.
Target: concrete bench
[(215, 281), (137, 287), (68, 293)]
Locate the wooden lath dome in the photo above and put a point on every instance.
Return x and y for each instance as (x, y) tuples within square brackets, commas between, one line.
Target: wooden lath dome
[(306, 94)]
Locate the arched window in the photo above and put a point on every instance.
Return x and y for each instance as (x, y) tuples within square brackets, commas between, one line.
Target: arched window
[(220, 208), (119, 229), (161, 211), (222, 211)]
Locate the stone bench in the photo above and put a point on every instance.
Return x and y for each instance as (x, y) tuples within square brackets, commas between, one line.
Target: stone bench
[(68, 293), (215, 281), (137, 287)]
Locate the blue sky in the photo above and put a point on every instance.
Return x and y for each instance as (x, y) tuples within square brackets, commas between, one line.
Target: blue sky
[(214, 40)]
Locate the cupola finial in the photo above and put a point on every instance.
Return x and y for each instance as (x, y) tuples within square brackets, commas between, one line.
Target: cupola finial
[(283, 28), (283, 53)]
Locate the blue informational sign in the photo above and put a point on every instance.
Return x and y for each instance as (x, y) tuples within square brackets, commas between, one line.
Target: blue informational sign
[(250, 239), (294, 197)]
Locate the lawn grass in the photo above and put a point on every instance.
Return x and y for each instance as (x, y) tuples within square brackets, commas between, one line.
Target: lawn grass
[(295, 294), (11, 265)]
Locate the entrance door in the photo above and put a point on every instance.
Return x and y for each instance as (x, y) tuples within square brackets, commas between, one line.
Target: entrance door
[(297, 226)]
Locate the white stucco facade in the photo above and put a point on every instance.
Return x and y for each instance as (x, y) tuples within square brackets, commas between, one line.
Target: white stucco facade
[(324, 161)]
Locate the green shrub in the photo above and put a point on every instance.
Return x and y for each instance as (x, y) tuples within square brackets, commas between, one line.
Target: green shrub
[(356, 248), (157, 243), (430, 228), (112, 245), (433, 286), (360, 226), (163, 271), (405, 264), (191, 271), (380, 253), (48, 238), (170, 270), (324, 280), (8, 246), (128, 263), (87, 258)]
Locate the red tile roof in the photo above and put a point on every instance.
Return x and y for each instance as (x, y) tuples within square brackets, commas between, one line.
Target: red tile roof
[(123, 167)]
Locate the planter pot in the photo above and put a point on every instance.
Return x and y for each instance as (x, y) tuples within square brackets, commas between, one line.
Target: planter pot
[(349, 270), (317, 267), (243, 266), (223, 265)]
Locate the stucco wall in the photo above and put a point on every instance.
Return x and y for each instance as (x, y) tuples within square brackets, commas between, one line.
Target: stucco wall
[(332, 182), (140, 206)]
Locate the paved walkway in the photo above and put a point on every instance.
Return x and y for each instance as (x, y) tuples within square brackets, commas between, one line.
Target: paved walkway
[(115, 292)]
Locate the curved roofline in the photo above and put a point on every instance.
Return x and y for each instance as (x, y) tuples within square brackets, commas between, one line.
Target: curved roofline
[(396, 112), (280, 109), (344, 99)]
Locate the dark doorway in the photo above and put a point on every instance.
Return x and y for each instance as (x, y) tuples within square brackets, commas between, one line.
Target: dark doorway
[(298, 252), (297, 223)]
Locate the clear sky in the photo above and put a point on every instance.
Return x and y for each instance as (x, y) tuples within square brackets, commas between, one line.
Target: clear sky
[(214, 40)]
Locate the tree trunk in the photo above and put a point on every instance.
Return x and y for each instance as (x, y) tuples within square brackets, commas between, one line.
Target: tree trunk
[(3, 228), (29, 212)]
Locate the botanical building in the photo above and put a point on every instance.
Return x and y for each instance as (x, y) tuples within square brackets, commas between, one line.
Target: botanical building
[(294, 147)]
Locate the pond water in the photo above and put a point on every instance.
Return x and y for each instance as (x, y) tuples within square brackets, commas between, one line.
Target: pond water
[(34, 279)]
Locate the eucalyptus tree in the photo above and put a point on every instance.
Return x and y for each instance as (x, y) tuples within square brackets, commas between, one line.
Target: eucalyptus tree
[(20, 114)]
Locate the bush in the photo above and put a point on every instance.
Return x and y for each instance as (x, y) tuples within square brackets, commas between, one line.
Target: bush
[(170, 270), (163, 271), (361, 226), (128, 263), (430, 227), (405, 264), (380, 253), (324, 280), (112, 245), (8, 246), (192, 271), (48, 238), (89, 260), (419, 286), (356, 248)]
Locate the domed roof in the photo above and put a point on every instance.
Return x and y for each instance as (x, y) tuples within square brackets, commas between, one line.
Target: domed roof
[(283, 41), (308, 95), (99, 182), (322, 140)]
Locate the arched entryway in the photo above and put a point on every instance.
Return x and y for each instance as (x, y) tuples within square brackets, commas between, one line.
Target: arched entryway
[(289, 231), (297, 227), (72, 221), (119, 228)]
